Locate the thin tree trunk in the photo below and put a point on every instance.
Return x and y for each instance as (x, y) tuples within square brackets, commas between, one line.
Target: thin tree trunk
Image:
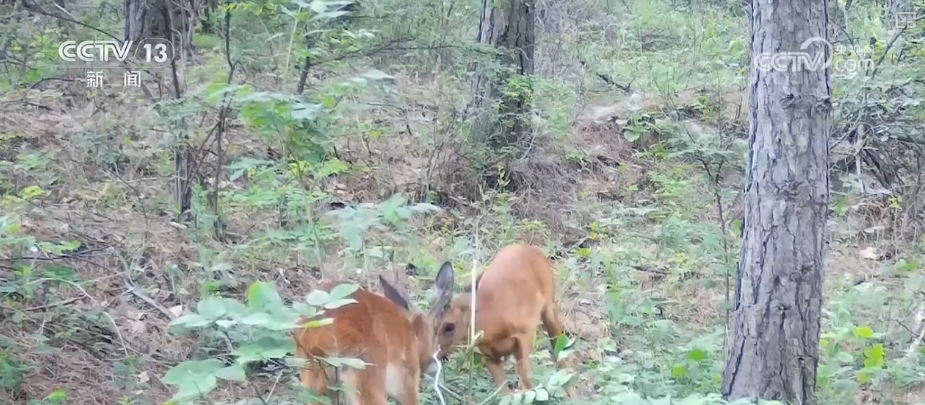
[(773, 350)]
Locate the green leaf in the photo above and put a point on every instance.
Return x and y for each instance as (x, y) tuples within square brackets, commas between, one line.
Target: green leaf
[(225, 323), (558, 379), (529, 396), (342, 291), (874, 356), (374, 74), (562, 346), (541, 395), (328, 100), (234, 372), (197, 387), (304, 309), (339, 303), (257, 319), (262, 295), (211, 308), (317, 298), (318, 6), (274, 321), (863, 332), (631, 134), (517, 398), (191, 369), (318, 323), (189, 321), (697, 355), (844, 357), (264, 348), (678, 371)]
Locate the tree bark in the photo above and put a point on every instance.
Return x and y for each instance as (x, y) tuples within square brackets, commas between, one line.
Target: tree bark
[(147, 19), (773, 350), (173, 20), (507, 25), (896, 8)]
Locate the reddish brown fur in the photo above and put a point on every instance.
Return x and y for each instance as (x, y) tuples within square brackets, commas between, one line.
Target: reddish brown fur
[(396, 343), (513, 295)]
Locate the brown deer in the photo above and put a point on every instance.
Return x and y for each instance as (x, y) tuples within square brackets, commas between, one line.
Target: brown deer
[(513, 295), (396, 341)]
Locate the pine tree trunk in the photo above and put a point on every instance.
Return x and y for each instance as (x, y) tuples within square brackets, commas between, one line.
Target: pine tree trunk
[(173, 20), (508, 25), (773, 350), (149, 19)]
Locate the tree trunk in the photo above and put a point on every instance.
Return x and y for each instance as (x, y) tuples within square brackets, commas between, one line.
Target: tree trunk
[(173, 20), (773, 350), (148, 19), (896, 9), (509, 27)]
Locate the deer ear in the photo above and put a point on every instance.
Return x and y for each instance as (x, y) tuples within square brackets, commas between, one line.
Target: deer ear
[(392, 294), (446, 280)]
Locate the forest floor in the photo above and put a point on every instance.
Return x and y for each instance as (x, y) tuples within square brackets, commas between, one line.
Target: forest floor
[(645, 295)]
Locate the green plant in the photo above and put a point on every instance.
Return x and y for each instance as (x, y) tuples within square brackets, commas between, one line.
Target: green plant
[(254, 332)]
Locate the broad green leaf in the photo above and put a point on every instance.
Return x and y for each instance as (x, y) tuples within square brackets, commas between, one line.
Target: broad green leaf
[(529, 397), (189, 321), (276, 321), (234, 372), (697, 355), (874, 356), (863, 332), (257, 319), (191, 369), (342, 291), (262, 295), (318, 6), (678, 371), (338, 303), (196, 387), (225, 323), (234, 308), (844, 357), (211, 308), (317, 298), (263, 349), (304, 309)]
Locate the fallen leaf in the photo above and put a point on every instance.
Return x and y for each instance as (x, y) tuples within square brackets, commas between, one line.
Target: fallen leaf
[(869, 253), (176, 310)]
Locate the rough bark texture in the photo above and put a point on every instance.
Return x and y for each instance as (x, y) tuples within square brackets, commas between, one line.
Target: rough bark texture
[(895, 8), (173, 20), (508, 25), (146, 19), (773, 350)]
